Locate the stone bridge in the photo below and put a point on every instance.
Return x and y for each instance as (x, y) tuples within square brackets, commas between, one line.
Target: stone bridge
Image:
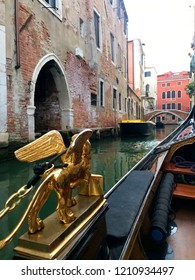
[(178, 113)]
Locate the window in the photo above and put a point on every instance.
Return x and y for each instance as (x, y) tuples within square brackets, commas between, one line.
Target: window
[(179, 83), (173, 105), (81, 22), (112, 46), (101, 92), (179, 93), (168, 84), (163, 85), (55, 6), (52, 3), (168, 94), (147, 89), (179, 106), (97, 29), (163, 106), (125, 104), (119, 8), (93, 99), (125, 68), (173, 117), (119, 60), (147, 74), (125, 24), (163, 95), (142, 60), (114, 99), (173, 94), (168, 106), (119, 102)]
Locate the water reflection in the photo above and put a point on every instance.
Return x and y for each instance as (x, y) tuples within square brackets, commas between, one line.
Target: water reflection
[(111, 158), (114, 158)]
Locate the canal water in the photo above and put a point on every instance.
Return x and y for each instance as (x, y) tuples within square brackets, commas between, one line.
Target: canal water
[(111, 157)]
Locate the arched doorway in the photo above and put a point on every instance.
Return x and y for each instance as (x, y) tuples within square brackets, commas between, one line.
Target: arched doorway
[(47, 113), (50, 102)]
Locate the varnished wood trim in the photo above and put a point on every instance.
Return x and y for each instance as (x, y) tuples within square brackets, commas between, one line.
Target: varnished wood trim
[(184, 190)]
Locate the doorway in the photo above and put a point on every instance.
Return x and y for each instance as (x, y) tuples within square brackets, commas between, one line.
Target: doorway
[(47, 113)]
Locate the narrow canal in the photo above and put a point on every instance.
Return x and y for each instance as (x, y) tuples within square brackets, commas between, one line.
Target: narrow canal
[(111, 158)]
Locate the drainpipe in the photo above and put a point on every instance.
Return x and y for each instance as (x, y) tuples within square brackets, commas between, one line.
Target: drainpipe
[(17, 35)]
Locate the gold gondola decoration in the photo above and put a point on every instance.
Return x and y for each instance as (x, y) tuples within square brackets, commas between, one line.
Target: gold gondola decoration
[(73, 172)]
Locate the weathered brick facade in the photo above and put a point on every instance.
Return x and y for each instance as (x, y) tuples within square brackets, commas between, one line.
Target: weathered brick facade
[(54, 69)]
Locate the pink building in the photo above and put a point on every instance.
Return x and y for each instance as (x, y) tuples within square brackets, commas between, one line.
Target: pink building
[(171, 93)]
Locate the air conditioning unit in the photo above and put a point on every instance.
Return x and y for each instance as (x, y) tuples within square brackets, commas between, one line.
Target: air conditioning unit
[(79, 53)]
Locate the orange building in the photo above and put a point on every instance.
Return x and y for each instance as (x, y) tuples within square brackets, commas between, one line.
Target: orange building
[(171, 93)]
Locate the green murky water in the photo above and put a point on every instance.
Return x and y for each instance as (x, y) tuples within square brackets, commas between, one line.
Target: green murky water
[(111, 158)]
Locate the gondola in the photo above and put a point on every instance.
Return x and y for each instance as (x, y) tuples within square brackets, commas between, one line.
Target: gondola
[(129, 128), (149, 214)]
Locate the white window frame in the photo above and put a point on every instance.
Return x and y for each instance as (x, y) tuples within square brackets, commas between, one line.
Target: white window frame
[(100, 30), (58, 11)]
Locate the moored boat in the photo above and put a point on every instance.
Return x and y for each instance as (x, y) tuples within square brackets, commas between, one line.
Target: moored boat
[(148, 214), (136, 128), (160, 125)]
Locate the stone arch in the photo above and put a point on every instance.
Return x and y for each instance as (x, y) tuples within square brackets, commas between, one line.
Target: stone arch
[(178, 113), (51, 65), (165, 113)]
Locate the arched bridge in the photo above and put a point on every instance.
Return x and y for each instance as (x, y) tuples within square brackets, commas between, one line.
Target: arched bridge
[(178, 113)]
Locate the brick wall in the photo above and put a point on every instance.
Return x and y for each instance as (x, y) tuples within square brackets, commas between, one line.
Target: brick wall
[(42, 33)]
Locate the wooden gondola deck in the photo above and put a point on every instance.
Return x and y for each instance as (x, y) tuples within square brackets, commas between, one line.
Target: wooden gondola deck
[(182, 241)]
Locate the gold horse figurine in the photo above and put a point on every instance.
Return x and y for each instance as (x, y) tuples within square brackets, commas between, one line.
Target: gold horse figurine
[(75, 173)]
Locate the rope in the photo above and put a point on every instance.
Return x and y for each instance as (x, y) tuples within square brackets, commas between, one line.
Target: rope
[(183, 163), (40, 168)]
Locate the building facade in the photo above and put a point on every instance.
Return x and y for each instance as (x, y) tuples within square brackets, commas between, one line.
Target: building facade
[(150, 89), (136, 65), (63, 66), (171, 93)]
